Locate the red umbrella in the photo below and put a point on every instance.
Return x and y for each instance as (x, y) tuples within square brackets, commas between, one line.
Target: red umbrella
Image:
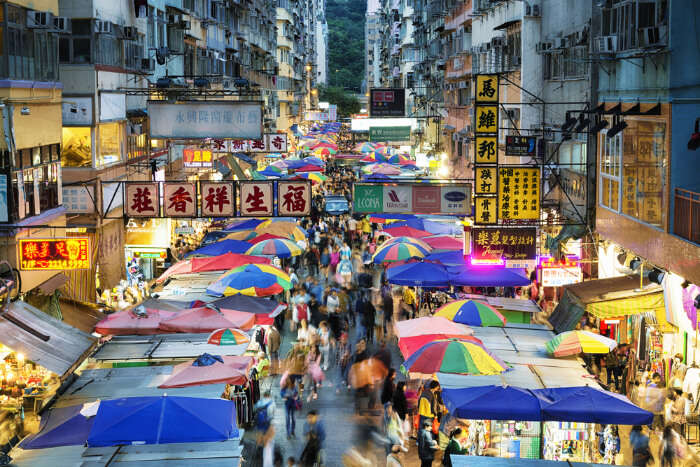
[(231, 370), (442, 242), (208, 319), (213, 263), (260, 238), (407, 232), (309, 168), (409, 345), (127, 322)]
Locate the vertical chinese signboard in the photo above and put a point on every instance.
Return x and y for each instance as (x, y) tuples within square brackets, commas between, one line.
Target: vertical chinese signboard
[(217, 199), (486, 98), (141, 200), (293, 198), (519, 192), (256, 199)]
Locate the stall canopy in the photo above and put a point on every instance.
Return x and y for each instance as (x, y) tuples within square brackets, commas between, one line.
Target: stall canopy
[(221, 247), (480, 461), (214, 370), (609, 298), (487, 276), (589, 405), (43, 339), (65, 426), (140, 321), (213, 263), (162, 420), (493, 403), (208, 319)]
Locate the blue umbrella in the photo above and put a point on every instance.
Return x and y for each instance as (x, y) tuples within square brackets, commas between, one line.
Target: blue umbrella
[(420, 274), (207, 360), (314, 161), (222, 247), (487, 276), (248, 224), (447, 258)]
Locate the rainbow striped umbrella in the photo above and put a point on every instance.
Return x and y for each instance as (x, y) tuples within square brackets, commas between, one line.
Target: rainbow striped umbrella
[(280, 247), (413, 240), (399, 251), (575, 342), (461, 356), (472, 313), (228, 336), (257, 280), (365, 147), (315, 177)]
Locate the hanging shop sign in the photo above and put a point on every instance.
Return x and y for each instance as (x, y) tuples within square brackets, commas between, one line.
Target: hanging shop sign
[(486, 149), (454, 199), (485, 210), (141, 200), (180, 199), (316, 116), (521, 145), (205, 119), (504, 243), (389, 134), (197, 158), (519, 192), (486, 180), (79, 199), (293, 198), (256, 199), (217, 199), (559, 273), (148, 232), (486, 118), (385, 102), (54, 254), (271, 142)]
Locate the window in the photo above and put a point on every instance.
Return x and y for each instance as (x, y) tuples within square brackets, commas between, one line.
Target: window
[(151, 27), (134, 53), (572, 156), (570, 63), (160, 26), (464, 97), (108, 50), (76, 147), (610, 167), (111, 138), (76, 48)]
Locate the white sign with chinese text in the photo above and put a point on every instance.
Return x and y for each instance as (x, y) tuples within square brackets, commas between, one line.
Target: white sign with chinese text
[(179, 200), (217, 199), (293, 198), (205, 119), (141, 200), (256, 198), (557, 277)]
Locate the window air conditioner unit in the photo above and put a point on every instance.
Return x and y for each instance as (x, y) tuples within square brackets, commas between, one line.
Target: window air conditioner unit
[(39, 19), (605, 44), (62, 24), (103, 27)]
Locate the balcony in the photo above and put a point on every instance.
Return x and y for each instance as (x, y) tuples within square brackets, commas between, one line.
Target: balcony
[(686, 215)]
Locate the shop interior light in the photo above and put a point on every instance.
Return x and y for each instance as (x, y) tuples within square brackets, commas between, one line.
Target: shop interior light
[(657, 275), (635, 264)]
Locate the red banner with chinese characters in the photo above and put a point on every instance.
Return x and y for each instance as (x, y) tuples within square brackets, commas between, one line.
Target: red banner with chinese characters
[(54, 254), (179, 199), (217, 199), (293, 198), (141, 199), (256, 199)]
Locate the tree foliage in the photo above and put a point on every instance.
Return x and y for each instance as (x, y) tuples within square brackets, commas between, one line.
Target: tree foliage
[(346, 43), (347, 103)]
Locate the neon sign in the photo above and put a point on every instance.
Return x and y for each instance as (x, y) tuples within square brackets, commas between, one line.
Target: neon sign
[(46, 254)]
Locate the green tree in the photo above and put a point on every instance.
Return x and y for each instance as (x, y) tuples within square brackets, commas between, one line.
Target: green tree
[(346, 43), (347, 103)]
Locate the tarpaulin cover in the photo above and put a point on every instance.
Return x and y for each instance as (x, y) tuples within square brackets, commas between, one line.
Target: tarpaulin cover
[(128, 323), (493, 403), (222, 247), (590, 405), (244, 225), (161, 420), (262, 308), (60, 427), (442, 242), (430, 226), (447, 258), (206, 319), (213, 263), (430, 325), (229, 369), (487, 276), (422, 274)]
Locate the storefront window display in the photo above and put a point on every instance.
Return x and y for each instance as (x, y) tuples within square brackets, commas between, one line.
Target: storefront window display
[(76, 147), (111, 138), (569, 441), (516, 439)]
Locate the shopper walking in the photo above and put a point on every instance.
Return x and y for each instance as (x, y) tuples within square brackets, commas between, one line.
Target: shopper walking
[(426, 444), (291, 403), (641, 455)]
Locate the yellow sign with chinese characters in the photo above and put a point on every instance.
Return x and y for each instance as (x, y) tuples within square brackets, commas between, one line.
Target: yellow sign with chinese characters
[(486, 149), (486, 119), (486, 179), (486, 88), (485, 210), (518, 192)]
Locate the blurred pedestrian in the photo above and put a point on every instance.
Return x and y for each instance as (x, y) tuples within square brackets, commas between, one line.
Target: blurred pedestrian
[(291, 403), (427, 403), (316, 376), (393, 428), (273, 342), (456, 445), (388, 387), (393, 460), (401, 406), (315, 434), (641, 455)]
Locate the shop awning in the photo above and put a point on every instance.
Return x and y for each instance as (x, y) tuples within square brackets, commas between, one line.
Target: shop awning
[(43, 339), (609, 298)]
